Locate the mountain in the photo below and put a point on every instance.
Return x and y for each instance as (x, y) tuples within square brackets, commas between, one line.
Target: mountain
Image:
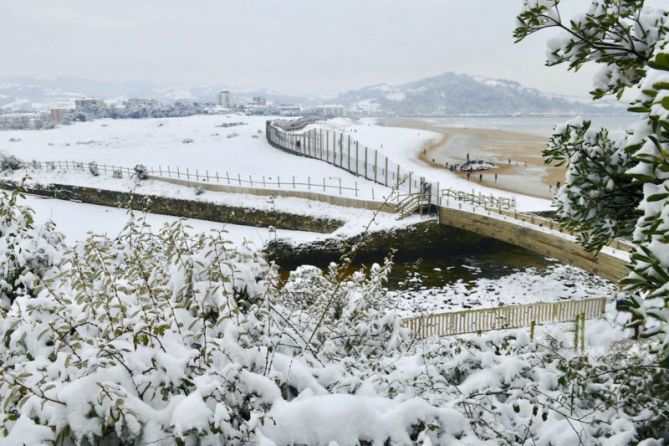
[(443, 95), (460, 94)]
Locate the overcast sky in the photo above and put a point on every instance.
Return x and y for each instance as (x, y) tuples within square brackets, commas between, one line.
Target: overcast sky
[(302, 46)]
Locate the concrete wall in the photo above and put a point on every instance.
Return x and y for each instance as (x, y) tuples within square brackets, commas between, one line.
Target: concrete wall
[(182, 208), (603, 265), (315, 196)]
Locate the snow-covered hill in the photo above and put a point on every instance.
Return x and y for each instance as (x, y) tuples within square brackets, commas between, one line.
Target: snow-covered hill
[(460, 94)]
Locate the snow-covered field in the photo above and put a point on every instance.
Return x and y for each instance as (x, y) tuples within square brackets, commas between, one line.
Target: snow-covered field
[(194, 143), (77, 220)]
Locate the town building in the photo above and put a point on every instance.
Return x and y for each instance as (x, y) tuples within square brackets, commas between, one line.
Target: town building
[(226, 99)]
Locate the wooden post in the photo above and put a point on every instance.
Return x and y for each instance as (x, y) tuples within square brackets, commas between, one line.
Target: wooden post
[(385, 183), (308, 183), (323, 184), (376, 164), (178, 175), (576, 332), (250, 180), (239, 178), (532, 330), (582, 332), (293, 181), (187, 174), (278, 181), (398, 177), (349, 153)]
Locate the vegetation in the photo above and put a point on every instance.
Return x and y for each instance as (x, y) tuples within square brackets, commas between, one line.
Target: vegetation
[(617, 182)]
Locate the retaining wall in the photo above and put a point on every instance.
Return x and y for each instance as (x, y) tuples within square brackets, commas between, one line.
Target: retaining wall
[(202, 210)]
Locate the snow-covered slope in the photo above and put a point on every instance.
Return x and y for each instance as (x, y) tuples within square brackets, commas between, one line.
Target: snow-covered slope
[(458, 94)]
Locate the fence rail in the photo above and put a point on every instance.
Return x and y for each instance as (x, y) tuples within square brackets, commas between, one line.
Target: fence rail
[(501, 318), (328, 185)]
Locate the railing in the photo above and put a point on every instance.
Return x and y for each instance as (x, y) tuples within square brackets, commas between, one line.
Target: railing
[(501, 318), (487, 201), (195, 176)]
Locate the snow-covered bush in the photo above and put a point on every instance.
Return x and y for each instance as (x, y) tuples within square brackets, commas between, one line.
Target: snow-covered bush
[(170, 337), (617, 185), (141, 173), (26, 253), (10, 163), (93, 168)]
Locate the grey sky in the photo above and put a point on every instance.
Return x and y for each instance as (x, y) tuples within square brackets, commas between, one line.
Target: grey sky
[(307, 46)]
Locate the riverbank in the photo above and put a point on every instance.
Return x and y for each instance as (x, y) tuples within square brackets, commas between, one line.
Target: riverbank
[(520, 167)]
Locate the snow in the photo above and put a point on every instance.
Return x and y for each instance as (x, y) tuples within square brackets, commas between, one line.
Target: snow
[(559, 282), (403, 146), (159, 142), (77, 220)]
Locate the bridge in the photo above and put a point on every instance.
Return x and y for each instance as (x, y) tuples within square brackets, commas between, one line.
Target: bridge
[(489, 216)]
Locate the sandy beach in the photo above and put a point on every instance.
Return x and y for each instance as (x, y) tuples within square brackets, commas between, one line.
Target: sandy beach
[(517, 156)]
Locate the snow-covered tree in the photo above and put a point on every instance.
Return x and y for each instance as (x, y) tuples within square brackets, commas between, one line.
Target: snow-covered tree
[(617, 183)]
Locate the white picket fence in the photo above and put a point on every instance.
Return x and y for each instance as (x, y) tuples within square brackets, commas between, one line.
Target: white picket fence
[(505, 317)]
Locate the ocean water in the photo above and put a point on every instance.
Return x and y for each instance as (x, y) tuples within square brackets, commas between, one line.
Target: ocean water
[(536, 125)]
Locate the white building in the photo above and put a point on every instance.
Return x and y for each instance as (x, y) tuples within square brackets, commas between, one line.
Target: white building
[(330, 110), (226, 99)]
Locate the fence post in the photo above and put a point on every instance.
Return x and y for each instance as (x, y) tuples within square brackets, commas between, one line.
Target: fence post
[(349, 153), (263, 181), (320, 146), (187, 174), (217, 180), (293, 181), (323, 184), (326, 143), (357, 163), (366, 163), (339, 186), (385, 183), (376, 164), (341, 150), (308, 183), (239, 178), (278, 181), (250, 180), (356, 188), (409, 183), (178, 174)]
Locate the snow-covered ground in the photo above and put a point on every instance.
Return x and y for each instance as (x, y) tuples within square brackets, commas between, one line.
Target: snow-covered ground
[(355, 220), (77, 220), (403, 146), (558, 282), (194, 143)]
